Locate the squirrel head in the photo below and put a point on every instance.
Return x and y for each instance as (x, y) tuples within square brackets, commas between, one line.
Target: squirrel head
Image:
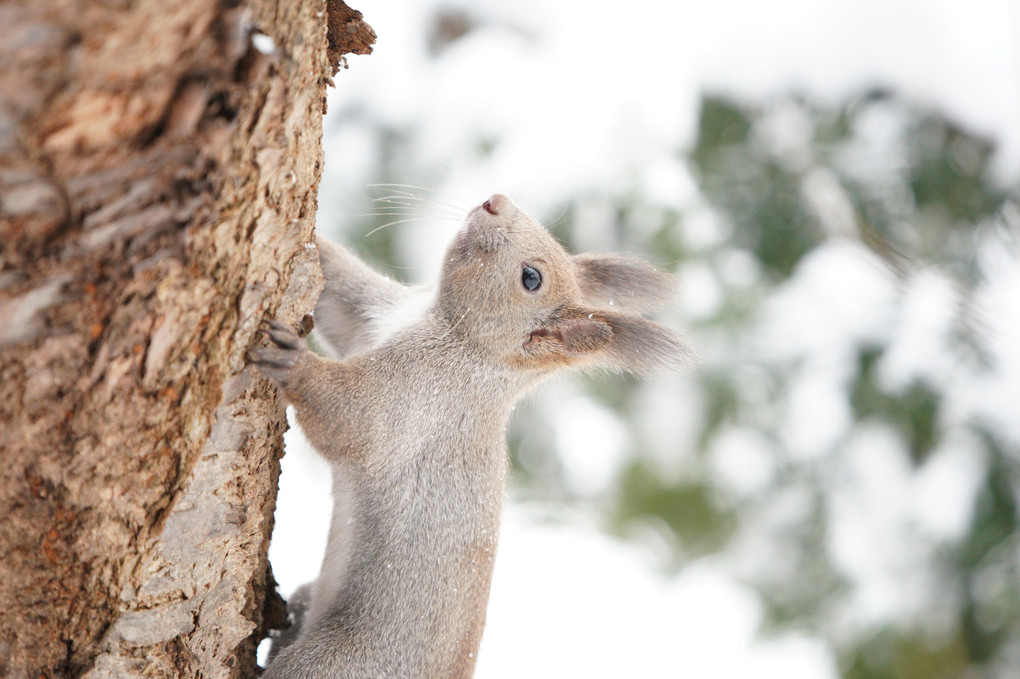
[(511, 289)]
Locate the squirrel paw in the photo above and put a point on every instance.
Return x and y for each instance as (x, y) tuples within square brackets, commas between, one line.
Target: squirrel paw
[(285, 350)]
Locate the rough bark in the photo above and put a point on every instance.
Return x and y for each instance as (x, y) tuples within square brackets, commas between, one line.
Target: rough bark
[(158, 176)]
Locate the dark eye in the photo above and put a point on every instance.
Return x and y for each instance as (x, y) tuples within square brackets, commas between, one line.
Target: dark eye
[(531, 279)]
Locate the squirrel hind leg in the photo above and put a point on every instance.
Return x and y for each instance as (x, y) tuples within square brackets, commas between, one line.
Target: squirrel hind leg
[(297, 606)]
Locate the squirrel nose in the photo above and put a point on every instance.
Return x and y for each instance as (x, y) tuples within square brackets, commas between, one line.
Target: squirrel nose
[(496, 203)]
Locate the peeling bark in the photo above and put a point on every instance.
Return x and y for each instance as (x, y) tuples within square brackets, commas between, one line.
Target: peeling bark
[(158, 176)]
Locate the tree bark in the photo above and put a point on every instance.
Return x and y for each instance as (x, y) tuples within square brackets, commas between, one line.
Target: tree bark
[(158, 174)]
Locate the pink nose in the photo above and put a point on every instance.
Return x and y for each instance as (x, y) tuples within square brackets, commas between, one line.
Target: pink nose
[(496, 203)]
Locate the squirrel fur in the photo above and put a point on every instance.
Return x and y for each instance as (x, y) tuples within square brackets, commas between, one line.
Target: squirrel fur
[(412, 420)]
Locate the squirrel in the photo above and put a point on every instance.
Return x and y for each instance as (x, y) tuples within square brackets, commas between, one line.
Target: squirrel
[(412, 420)]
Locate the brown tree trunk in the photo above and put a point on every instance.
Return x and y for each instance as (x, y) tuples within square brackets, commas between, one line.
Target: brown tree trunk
[(158, 176)]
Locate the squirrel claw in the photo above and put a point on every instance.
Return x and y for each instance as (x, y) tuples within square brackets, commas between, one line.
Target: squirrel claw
[(283, 335), (274, 357), (283, 353)]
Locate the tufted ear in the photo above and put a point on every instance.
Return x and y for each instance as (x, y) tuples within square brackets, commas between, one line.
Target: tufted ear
[(603, 339), (624, 282)]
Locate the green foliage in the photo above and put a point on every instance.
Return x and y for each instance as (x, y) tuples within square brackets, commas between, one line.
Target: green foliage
[(995, 514), (721, 124), (722, 406), (756, 190), (988, 569), (946, 172), (890, 654), (802, 602), (689, 508), (914, 412)]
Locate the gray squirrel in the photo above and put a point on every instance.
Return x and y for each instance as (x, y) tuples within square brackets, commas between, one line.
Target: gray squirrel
[(412, 421)]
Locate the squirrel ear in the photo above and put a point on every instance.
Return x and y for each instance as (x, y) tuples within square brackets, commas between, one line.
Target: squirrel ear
[(590, 337), (643, 347), (624, 282)]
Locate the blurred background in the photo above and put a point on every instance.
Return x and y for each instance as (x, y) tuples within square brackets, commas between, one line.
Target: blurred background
[(834, 491)]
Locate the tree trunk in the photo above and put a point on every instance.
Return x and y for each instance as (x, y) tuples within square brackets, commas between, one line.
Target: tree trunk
[(158, 175)]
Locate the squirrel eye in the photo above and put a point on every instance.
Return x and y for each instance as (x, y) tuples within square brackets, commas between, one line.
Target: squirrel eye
[(531, 279)]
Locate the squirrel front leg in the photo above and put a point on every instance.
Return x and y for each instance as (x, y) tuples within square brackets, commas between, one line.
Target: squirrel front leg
[(313, 385), (354, 295)]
